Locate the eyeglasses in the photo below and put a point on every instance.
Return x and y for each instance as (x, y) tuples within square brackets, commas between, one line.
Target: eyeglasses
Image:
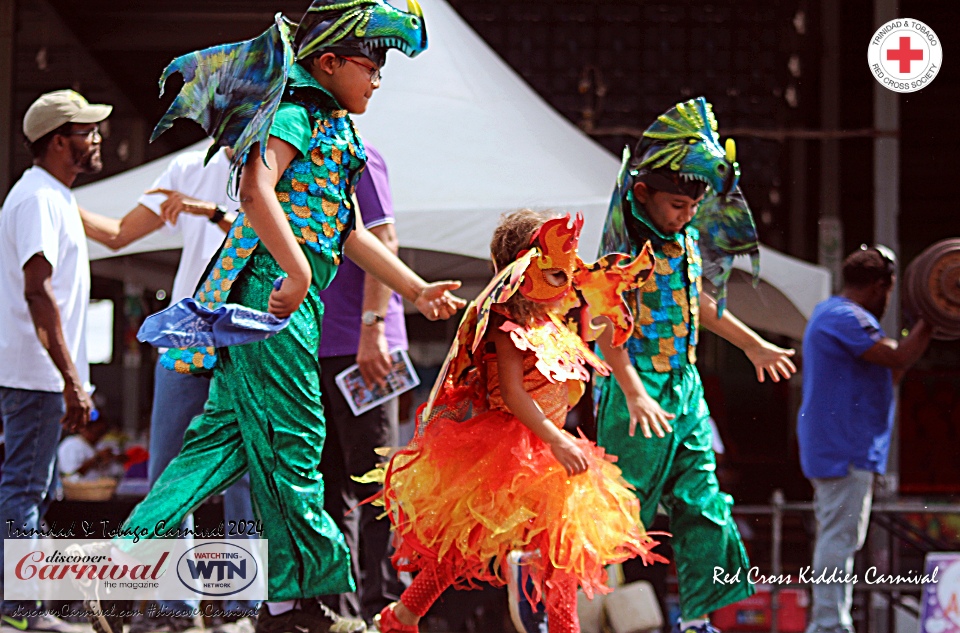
[(91, 135), (887, 255), (373, 70)]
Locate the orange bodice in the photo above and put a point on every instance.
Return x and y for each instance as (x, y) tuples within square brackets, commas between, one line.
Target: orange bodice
[(554, 398)]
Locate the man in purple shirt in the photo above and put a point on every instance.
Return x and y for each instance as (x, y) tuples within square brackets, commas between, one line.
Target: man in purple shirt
[(362, 323)]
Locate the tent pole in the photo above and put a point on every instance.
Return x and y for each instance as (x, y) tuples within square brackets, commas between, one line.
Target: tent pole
[(830, 243), (798, 198), (886, 201)]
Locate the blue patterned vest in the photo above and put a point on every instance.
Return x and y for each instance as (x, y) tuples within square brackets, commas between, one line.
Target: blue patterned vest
[(666, 310), (316, 193)]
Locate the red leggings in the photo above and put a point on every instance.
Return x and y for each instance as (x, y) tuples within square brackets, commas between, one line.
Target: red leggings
[(561, 601)]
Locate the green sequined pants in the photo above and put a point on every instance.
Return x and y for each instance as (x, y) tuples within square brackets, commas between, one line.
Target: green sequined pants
[(264, 417), (678, 471)]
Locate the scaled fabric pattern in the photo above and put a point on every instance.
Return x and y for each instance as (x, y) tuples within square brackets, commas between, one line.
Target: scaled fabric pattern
[(475, 483), (234, 91), (677, 471), (315, 191), (667, 307), (684, 139), (264, 415)]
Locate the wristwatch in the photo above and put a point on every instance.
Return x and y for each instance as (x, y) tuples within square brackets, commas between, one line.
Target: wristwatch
[(218, 214), (371, 318)]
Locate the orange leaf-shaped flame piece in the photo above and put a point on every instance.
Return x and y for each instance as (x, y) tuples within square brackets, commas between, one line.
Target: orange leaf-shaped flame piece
[(603, 283)]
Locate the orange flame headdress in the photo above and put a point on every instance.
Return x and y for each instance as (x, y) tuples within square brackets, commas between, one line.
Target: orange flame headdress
[(550, 275)]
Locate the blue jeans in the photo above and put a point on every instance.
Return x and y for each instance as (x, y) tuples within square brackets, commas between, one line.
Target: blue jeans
[(842, 507), (31, 428), (177, 399)]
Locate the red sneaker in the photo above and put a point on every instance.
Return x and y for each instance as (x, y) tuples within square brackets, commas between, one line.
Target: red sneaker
[(387, 622)]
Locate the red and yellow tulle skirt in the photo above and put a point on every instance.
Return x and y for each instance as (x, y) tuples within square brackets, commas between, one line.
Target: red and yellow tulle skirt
[(463, 495)]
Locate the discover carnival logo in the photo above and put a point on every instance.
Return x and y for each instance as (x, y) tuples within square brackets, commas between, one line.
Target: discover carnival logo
[(37, 565), (220, 568), (904, 55), (151, 569)]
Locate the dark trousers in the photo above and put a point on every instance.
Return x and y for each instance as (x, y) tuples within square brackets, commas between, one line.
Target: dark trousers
[(349, 451)]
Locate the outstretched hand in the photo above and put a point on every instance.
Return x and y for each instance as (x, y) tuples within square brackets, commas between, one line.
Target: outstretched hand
[(435, 301), (767, 358), (177, 203)]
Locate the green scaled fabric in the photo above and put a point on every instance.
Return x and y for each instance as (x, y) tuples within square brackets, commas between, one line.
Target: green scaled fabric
[(233, 90), (678, 471)]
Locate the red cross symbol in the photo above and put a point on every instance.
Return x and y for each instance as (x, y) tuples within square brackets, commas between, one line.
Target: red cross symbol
[(905, 54)]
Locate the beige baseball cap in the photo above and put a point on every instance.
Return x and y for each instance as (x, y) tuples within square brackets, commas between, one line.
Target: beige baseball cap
[(53, 109)]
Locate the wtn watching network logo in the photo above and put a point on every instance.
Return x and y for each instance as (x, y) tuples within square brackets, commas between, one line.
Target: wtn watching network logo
[(217, 569)]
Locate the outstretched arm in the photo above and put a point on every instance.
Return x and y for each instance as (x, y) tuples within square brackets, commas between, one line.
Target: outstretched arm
[(177, 203), (642, 408), (433, 300), (114, 233), (510, 371), (766, 357)]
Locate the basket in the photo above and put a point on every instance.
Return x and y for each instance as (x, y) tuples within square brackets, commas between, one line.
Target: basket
[(92, 490)]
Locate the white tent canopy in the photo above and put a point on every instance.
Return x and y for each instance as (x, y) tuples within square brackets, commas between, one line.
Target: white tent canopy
[(117, 195), (789, 290), (465, 140)]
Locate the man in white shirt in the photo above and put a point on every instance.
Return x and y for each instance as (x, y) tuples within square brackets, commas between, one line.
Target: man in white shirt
[(45, 285), (189, 197)]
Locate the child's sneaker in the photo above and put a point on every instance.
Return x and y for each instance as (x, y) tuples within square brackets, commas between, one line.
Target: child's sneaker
[(387, 622), (704, 627), (103, 613)]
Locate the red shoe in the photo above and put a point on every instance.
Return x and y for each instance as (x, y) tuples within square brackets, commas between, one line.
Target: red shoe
[(387, 622)]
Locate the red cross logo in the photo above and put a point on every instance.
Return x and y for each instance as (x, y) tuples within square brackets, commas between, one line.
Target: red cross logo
[(905, 54)]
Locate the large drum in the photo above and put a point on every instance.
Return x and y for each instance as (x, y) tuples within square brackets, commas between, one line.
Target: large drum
[(932, 288)]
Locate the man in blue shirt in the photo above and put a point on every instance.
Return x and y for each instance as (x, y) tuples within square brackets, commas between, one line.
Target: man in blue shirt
[(849, 371)]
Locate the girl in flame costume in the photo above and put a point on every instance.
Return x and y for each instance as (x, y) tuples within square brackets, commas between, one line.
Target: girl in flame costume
[(491, 469)]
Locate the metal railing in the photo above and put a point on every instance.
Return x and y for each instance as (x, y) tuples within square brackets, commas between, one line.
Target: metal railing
[(895, 527)]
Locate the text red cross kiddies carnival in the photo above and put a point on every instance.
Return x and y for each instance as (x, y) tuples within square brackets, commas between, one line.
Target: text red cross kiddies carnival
[(905, 54)]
